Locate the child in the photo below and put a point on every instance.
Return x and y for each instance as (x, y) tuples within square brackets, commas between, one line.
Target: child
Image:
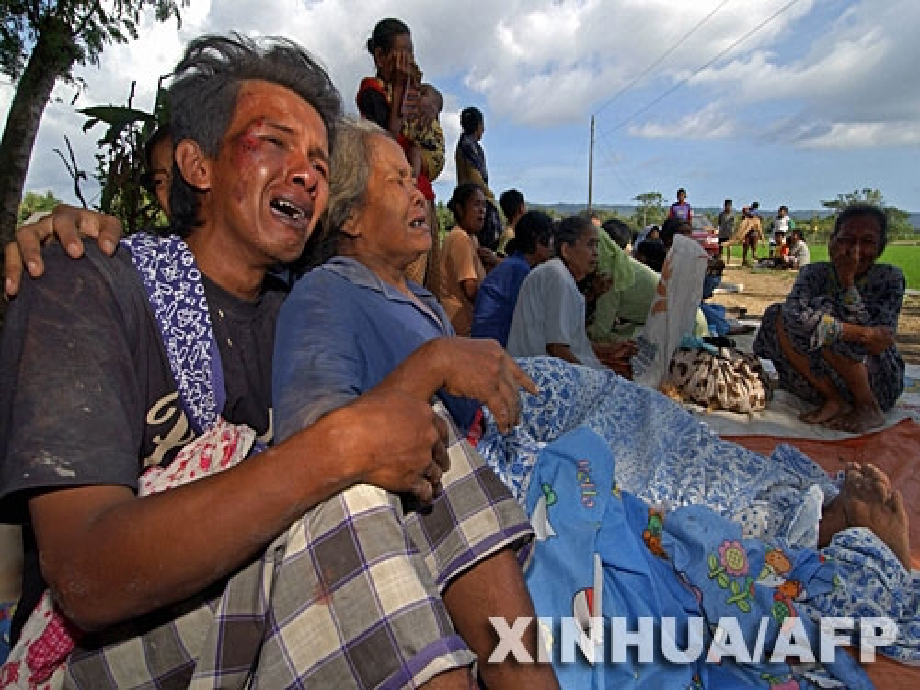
[(426, 139)]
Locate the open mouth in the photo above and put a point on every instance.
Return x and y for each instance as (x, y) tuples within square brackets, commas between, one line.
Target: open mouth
[(418, 223), (288, 209)]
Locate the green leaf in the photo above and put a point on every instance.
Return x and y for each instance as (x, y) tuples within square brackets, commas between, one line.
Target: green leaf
[(723, 580)]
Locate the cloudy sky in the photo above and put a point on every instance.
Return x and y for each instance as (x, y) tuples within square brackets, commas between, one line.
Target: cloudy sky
[(783, 101)]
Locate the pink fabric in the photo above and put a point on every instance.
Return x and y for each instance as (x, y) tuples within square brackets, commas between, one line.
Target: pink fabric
[(48, 637)]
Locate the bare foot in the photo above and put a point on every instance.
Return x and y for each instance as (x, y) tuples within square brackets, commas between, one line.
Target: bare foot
[(831, 408), (858, 420), (869, 501)]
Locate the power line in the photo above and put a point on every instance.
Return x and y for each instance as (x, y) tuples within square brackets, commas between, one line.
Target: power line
[(661, 58), (718, 56)]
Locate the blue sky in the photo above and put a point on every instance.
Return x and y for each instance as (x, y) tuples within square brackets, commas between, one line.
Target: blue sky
[(783, 101)]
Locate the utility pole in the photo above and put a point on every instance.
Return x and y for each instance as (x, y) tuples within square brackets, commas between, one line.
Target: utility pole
[(591, 163)]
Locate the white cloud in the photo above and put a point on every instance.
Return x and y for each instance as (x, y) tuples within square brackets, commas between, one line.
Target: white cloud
[(819, 75), (858, 135), (708, 123)]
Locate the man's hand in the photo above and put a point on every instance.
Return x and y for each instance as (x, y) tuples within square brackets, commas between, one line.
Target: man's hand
[(392, 440), (67, 224)]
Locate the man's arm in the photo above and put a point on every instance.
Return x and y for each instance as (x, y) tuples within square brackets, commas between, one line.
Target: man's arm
[(109, 556)]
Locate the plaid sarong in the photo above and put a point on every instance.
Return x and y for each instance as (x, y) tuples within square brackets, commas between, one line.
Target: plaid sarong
[(331, 603)]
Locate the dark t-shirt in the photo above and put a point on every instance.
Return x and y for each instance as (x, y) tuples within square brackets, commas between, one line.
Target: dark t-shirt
[(726, 225), (87, 396)]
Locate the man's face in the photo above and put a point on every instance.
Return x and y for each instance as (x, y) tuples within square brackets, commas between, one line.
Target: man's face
[(161, 166), (269, 182)]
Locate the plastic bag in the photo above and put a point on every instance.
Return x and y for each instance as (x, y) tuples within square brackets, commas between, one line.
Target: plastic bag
[(673, 311)]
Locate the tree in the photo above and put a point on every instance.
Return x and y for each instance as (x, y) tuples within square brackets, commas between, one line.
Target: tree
[(120, 162), (899, 223), (41, 41), (33, 202), (864, 196), (651, 208)]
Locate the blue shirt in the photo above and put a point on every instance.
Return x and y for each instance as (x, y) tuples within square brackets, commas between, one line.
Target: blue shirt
[(496, 298), (340, 332)]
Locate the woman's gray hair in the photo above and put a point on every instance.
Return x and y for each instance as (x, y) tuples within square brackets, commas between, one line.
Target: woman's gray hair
[(349, 172)]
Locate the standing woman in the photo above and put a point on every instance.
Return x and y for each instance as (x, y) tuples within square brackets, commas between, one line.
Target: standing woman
[(388, 99), (470, 159), (381, 98), (461, 269)]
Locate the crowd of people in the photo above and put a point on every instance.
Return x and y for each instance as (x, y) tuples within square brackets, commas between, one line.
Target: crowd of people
[(241, 451)]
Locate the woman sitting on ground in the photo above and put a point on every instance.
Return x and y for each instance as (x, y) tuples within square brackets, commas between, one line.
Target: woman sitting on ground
[(462, 270), (832, 341), (549, 317)]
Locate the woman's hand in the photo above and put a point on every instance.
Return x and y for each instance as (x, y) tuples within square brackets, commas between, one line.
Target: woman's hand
[(482, 370), (600, 283), (877, 339), (617, 356), (68, 224), (846, 260)]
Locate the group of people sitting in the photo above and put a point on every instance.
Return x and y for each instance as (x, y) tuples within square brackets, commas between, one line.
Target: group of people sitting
[(223, 479)]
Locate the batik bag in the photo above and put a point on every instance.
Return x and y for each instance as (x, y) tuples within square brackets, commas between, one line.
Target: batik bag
[(730, 380)]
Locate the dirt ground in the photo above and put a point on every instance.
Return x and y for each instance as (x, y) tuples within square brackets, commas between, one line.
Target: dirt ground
[(762, 288)]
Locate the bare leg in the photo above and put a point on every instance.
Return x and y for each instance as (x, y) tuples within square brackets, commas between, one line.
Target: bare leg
[(834, 404), (866, 413), (867, 500), (496, 587), (459, 679)]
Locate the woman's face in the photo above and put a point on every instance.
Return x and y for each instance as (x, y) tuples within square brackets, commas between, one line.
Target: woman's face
[(473, 213), (859, 238), (386, 61), (581, 257), (391, 229)]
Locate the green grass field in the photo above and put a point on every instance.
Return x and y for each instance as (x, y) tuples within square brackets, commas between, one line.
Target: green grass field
[(905, 256)]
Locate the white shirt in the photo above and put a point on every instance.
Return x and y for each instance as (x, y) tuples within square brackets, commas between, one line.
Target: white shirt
[(801, 254), (550, 309)]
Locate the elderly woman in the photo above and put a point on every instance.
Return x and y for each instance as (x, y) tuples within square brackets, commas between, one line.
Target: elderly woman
[(356, 320), (461, 269), (832, 341), (549, 317)]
